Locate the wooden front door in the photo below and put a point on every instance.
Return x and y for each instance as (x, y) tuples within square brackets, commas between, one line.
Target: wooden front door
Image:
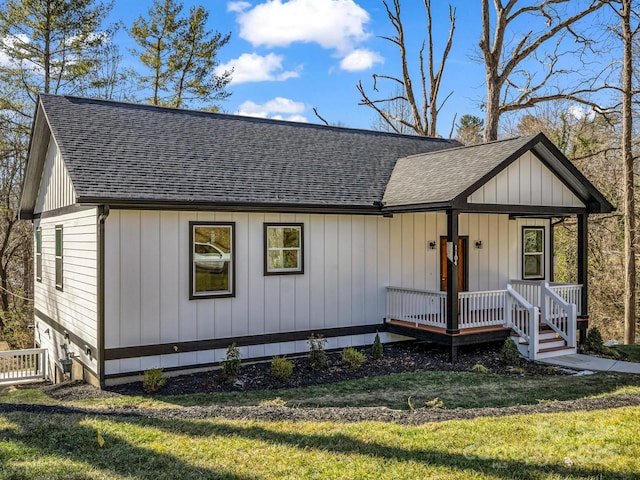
[(462, 264)]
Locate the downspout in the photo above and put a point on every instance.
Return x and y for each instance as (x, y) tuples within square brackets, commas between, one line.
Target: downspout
[(103, 213)]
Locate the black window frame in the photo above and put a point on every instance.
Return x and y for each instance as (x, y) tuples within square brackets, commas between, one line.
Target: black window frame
[(231, 269), (296, 271), (38, 253), (542, 254), (59, 256)]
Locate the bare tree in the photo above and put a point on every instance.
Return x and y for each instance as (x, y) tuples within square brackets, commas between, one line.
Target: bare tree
[(511, 86), (423, 116), (627, 34)]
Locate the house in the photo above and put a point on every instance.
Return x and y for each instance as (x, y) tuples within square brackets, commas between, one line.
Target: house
[(164, 235)]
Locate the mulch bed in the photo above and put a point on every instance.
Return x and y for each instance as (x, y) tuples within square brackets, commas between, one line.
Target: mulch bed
[(398, 358)]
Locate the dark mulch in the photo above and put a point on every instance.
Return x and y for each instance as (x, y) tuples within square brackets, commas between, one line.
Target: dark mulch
[(398, 358)]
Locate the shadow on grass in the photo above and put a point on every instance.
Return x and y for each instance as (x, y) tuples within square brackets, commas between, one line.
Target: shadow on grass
[(134, 460), (67, 440)]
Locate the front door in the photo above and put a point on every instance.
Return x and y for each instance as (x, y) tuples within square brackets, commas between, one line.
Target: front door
[(462, 264)]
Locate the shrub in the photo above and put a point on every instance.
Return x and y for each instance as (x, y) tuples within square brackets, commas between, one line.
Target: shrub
[(317, 355), (153, 380), (518, 371), (594, 342), (376, 348), (478, 368), (509, 354), (281, 368), (231, 366), (352, 358)]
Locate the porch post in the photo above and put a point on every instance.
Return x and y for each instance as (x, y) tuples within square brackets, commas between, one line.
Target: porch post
[(452, 271), (583, 257)]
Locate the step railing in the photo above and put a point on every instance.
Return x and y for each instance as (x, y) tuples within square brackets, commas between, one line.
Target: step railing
[(522, 318), (422, 307), (570, 293), (482, 309), (18, 366), (528, 289), (558, 314)]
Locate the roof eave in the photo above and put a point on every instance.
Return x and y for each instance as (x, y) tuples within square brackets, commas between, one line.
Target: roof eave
[(156, 204)]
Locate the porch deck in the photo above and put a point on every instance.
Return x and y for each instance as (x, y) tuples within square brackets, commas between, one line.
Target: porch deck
[(532, 311)]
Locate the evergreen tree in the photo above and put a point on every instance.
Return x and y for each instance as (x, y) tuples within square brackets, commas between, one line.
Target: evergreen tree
[(180, 54)]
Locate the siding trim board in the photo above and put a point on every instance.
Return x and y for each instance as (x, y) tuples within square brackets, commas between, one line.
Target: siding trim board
[(211, 344), (75, 208)]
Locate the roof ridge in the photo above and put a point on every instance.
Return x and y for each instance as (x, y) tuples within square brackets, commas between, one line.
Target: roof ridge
[(246, 117), (461, 147)]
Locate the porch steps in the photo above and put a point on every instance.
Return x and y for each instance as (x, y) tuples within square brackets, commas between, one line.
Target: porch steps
[(550, 344)]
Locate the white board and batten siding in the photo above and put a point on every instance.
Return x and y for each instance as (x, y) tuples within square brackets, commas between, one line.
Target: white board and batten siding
[(527, 181), (75, 306), (56, 188), (349, 260)]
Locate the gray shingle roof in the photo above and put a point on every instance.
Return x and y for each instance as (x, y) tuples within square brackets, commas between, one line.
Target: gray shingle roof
[(442, 176), (119, 151)]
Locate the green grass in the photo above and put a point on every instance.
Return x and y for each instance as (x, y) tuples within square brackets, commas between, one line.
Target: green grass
[(631, 352), (569, 445), (455, 389), (599, 444)]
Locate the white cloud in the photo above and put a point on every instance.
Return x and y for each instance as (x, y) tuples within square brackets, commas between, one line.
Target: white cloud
[(279, 108), (580, 112), (332, 24), (237, 6), (251, 67), (11, 42), (360, 59)]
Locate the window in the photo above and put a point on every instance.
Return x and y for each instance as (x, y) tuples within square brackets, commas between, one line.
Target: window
[(283, 248), (532, 253), (59, 257), (39, 254), (212, 259)]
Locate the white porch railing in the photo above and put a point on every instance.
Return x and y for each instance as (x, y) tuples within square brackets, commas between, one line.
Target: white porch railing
[(523, 319), (482, 309), (421, 307), (530, 290), (558, 314), (18, 366)]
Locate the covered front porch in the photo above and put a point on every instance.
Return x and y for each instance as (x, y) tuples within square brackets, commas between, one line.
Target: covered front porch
[(495, 205), (542, 317)]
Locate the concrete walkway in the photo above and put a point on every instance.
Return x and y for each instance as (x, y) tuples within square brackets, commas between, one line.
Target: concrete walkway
[(587, 362)]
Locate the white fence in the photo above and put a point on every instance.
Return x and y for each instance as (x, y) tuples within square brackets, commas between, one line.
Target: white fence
[(531, 291), (18, 366)]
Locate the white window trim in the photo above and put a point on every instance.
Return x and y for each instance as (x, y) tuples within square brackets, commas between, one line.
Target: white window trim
[(299, 270)]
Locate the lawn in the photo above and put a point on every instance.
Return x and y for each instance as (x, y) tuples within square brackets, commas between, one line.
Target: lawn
[(596, 444)]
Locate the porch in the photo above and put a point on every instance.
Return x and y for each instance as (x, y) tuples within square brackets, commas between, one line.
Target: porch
[(543, 318)]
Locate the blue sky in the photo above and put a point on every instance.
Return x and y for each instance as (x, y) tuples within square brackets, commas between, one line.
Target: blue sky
[(290, 56)]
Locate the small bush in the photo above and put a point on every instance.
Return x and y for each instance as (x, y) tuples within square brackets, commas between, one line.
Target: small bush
[(435, 403), (317, 355), (376, 348), (231, 366), (478, 368), (509, 354), (352, 358), (518, 371), (153, 380), (594, 342), (281, 368)]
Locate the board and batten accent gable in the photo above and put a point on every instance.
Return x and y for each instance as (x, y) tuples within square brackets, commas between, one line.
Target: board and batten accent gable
[(527, 181), (74, 307), (56, 188), (349, 262)]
